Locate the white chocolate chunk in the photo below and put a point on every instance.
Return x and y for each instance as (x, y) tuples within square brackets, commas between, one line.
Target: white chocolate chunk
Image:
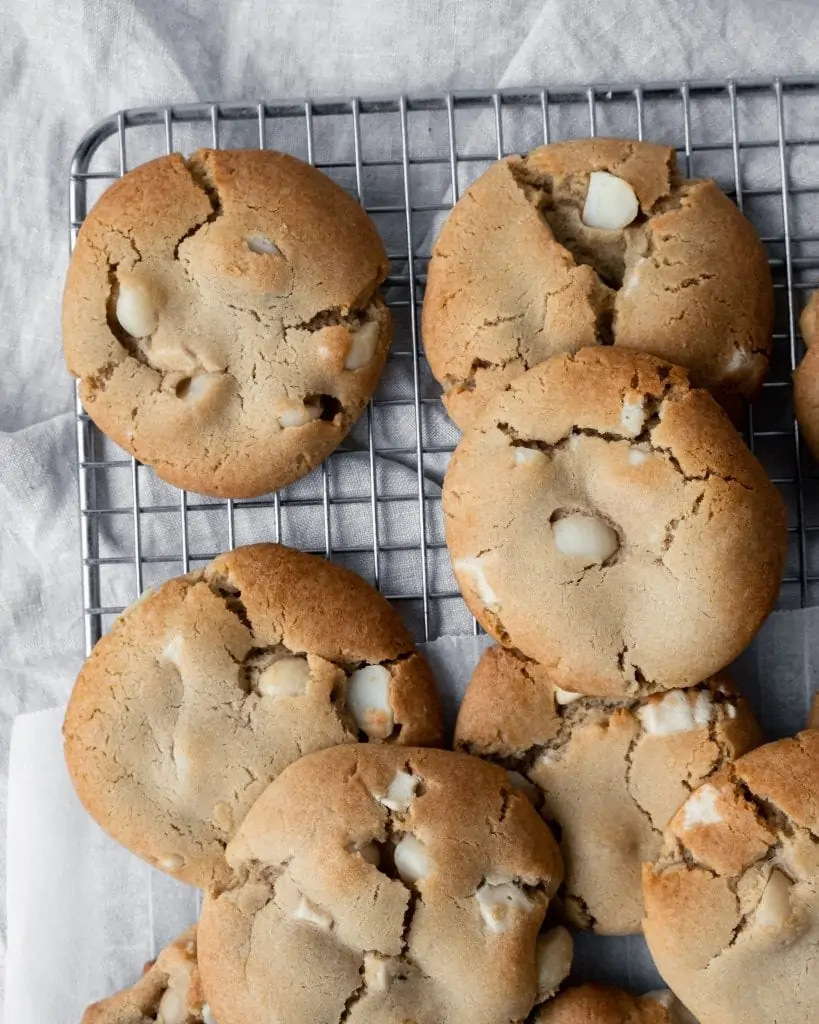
[(171, 862), (286, 677), (307, 911), (564, 697), (740, 360), (528, 456), (474, 570), (670, 714), (368, 701), (195, 389), (553, 961), (136, 311), (632, 417), (610, 204), (703, 708), (774, 909), (585, 536), (497, 903), (298, 415), (524, 785), (400, 792), (261, 245), (363, 342), (172, 1007), (701, 808), (730, 710), (637, 457), (173, 652), (376, 972), (207, 1016), (411, 861)]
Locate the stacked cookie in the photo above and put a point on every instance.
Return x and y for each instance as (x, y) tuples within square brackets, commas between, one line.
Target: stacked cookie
[(261, 728)]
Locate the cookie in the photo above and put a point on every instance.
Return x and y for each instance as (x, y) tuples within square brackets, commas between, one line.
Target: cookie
[(605, 518), (167, 993), (207, 688), (732, 904), (223, 316), (590, 242), (606, 775), (806, 378), (594, 1004), (377, 884)]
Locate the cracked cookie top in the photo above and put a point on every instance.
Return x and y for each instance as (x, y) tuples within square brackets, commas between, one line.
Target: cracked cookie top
[(223, 316), (384, 885), (806, 377), (606, 775), (208, 687), (732, 903), (596, 1004), (589, 242), (168, 992), (607, 520)]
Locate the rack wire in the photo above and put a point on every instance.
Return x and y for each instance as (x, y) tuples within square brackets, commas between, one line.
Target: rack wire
[(375, 503)]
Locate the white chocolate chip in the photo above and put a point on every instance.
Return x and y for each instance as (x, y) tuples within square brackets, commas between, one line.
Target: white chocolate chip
[(207, 1016), (553, 961), (703, 708), (670, 714), (411, 861), (730, 710), (368, 701), (400, 792), (585, 536), (774, 909), (173, 652), (222, 816), (740, 360), (195, 388), (564, 697), (545, 759), (527, 456), (298, 415), (632, 417), (261, 245), (474, 570), (610, 204), (701, 808), (307, 911), (497, 903), (136, 311), (363, 342), (286, 677), (524, 785), (171, 862), (172, 1007), (637, 457), (376, 972)]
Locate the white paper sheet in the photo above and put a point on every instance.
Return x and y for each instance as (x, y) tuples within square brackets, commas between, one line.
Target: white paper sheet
[(84, 914)]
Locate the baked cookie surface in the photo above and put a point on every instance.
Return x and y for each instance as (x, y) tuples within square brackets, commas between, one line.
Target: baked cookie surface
[(806, 377), (206, 689), (588, 242), (223, 316), (384, 885), (595, 1004), (608, 774), (167, 993), (732, 904), (605, 518)]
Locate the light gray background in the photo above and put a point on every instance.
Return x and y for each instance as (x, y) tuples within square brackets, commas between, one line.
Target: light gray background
[(66, 64)]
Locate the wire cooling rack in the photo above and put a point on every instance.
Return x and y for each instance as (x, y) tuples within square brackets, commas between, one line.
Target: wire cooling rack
[(375, 503)]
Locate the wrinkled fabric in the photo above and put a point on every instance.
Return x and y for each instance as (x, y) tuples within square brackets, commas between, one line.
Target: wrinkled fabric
[(64, 66)]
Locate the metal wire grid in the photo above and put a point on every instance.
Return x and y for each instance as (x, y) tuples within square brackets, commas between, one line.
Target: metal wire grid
[(408, 159)]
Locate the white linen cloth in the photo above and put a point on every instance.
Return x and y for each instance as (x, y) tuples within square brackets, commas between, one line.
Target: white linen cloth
[(66, 65)]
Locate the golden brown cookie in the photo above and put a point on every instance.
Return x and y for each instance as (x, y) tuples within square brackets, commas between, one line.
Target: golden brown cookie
[(594, 1004), (606, 775), (732, 904), (222, 313), (376, 885), (207, 688), (167, 993), (806, 378), (594, 241), (606, 519)]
